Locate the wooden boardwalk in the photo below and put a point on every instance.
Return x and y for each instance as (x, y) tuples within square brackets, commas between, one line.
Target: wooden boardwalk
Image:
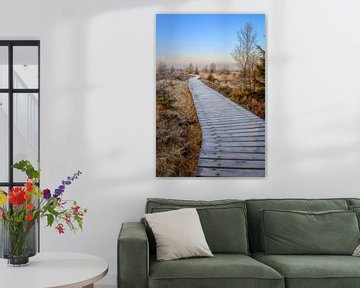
[(233, 138)]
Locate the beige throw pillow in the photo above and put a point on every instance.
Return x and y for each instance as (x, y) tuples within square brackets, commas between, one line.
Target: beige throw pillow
[(178, 234), (357, 251)]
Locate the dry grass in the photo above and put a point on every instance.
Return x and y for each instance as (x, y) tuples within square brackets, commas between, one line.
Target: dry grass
[(221, 77), (178, 134), (228, 85), (248, 101)]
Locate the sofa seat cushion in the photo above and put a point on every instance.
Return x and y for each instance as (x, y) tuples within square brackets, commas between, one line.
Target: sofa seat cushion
[(313, 271), (222, 270)]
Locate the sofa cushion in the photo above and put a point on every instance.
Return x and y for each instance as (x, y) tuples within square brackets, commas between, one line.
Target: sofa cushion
[(223, 221), (313, 271), (297, 232), (222, 270), (354, 205), (353, 201), (254, 206), (356, 209)]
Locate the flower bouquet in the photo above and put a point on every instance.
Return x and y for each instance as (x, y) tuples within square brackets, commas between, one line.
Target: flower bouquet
[(21, 208)]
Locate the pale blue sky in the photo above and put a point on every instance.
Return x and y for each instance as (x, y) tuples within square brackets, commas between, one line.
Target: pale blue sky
[(202, 38)]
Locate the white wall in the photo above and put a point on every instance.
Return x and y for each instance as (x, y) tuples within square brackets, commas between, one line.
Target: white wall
[(98, 105)]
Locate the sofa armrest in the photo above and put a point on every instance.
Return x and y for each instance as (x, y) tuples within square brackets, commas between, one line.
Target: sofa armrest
[(133, 256)]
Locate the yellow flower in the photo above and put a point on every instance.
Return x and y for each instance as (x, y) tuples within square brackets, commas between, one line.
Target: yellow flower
[(3, 198)]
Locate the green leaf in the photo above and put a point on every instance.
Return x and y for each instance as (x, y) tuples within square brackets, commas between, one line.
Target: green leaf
[(22, 164), (79, 221), (28, 168), (50, 219), (51, 210)]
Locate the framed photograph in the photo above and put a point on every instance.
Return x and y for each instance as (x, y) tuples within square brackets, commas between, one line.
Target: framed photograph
[(210, 95)]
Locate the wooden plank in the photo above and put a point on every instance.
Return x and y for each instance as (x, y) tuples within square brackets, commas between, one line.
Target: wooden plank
[(231, 163), (233, 144), (237, 134), (220, 109), (234, 156), (214, 149), (223, 117), (234, 139), (239, 130), (228, 122), (218, 172), (231, 122), (207, 129), (237, 126)]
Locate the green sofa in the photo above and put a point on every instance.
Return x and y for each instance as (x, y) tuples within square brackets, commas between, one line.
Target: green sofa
[(233, 230)]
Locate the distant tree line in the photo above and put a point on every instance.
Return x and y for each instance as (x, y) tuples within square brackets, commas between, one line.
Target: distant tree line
[(162, 69)]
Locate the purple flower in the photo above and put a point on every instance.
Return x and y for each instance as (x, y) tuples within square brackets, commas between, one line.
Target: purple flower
[(46, 194), (58, 192), (64, 183)]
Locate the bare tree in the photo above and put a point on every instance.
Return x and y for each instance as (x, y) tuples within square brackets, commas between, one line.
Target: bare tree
[(260, 71), (226, 69), (245, 52), (161, 70), (261, 64), (196, 70), (191, 68), (205, 70), (161, 67), (212, 68), (172, 70)]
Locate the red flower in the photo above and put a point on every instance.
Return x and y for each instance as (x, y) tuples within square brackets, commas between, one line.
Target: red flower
[(75, 209), (29, 186), (29, 206), (17, 196), (68, 219), (60, 228), (29, 217), (27, 196)]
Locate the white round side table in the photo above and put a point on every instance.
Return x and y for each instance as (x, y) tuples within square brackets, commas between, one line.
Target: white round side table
[(50, 270)]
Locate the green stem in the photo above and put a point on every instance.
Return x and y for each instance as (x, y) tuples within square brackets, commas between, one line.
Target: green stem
[(18, 237)]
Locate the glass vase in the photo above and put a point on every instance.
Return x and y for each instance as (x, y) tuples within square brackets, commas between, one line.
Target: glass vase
[(18, 242)]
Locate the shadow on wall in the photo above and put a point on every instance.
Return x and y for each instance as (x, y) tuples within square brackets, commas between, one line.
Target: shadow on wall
[(100, 7), (315, 138), (73, 89)]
